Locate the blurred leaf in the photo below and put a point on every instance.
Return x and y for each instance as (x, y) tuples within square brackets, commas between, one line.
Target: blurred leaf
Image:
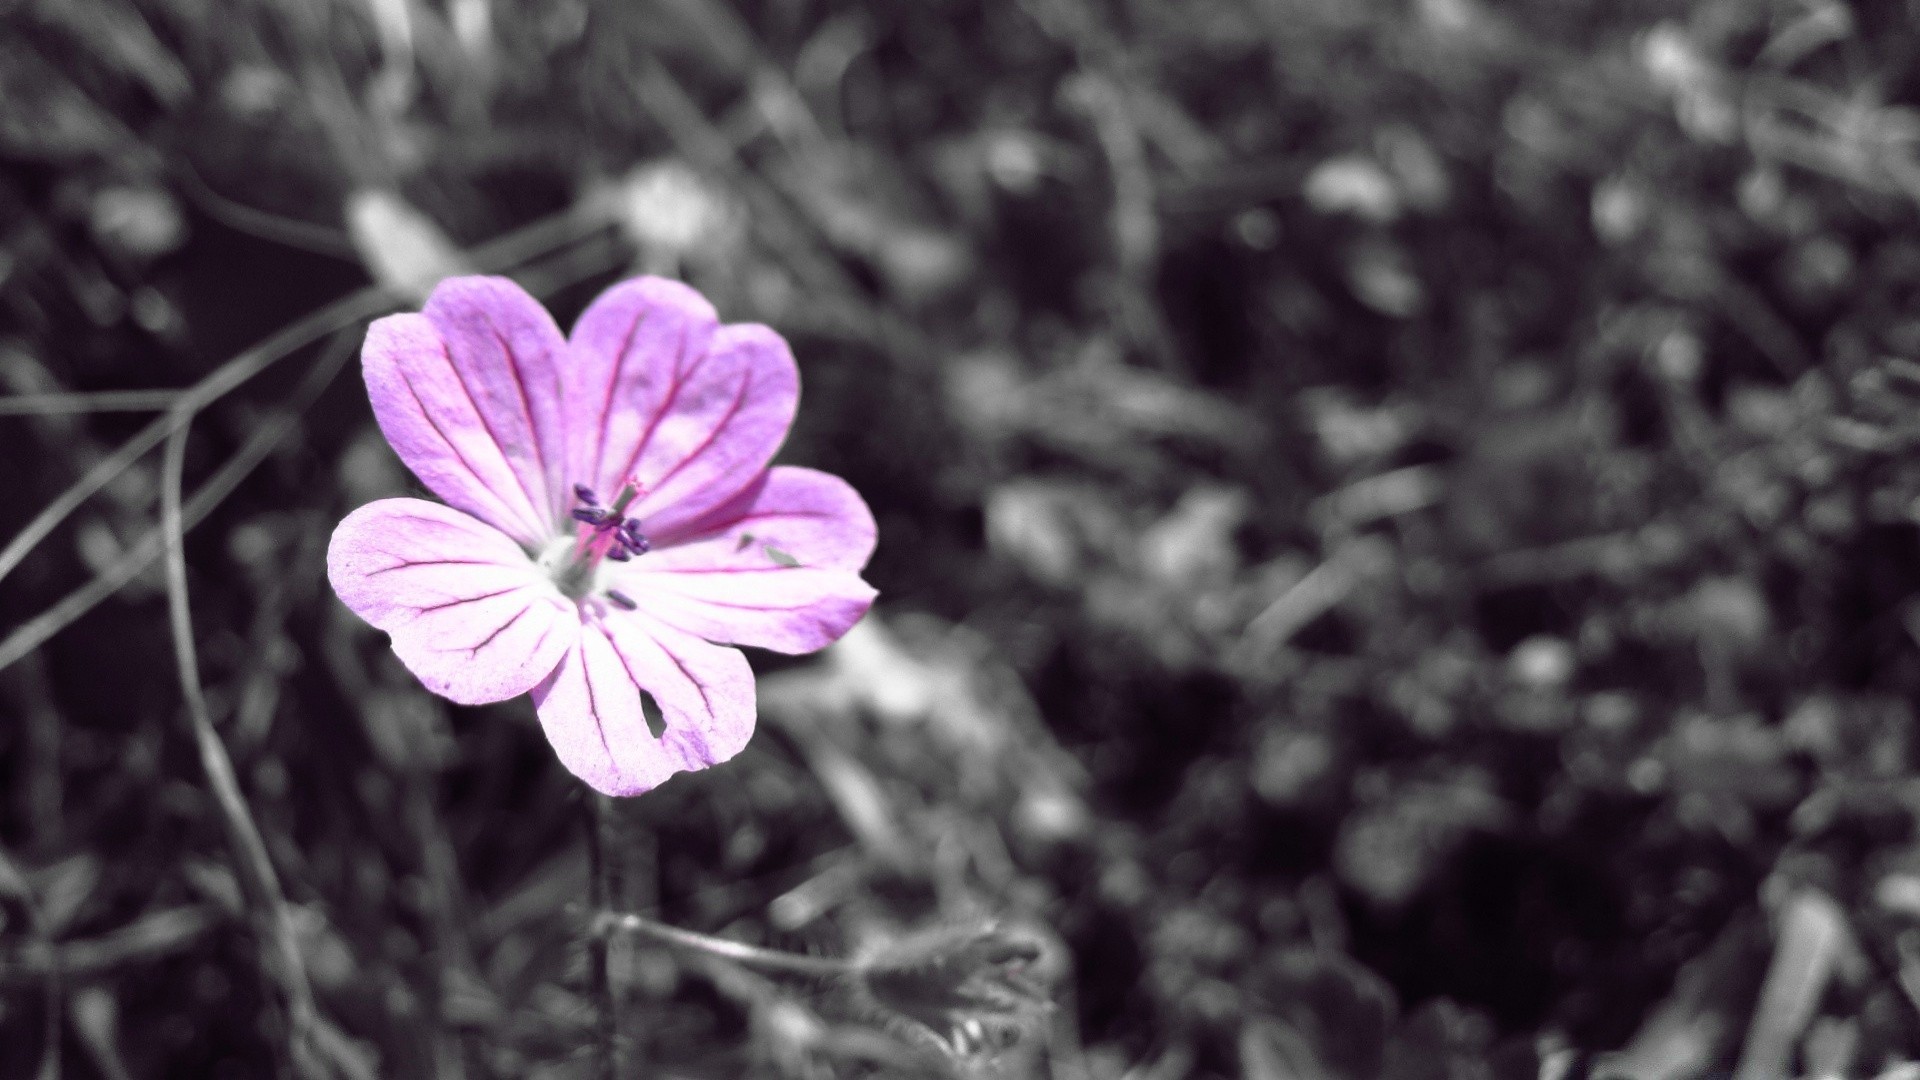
[(1353, 185), (1193, 545), (120, 36), (401, 247), (1390, 850), (96, 1019), (43, 115), (672, 213), (1330, 1016), (63, 890), (1812, 933)]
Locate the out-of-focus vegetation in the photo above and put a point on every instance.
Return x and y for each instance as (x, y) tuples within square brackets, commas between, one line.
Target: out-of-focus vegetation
[(1398, 532)]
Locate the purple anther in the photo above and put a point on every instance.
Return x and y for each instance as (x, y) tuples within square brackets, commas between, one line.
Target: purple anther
[(618, 553), (621, 599), (591, 515), (635, 540), (585, 494)]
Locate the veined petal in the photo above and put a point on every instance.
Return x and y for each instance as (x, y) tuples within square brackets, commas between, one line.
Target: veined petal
[(591, 705), (712, 432), (468, 612), (758, 602), (469, 394), (812, 517), (633, 348)]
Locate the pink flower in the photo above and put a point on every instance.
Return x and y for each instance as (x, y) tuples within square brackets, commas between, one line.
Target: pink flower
[(611, 523)]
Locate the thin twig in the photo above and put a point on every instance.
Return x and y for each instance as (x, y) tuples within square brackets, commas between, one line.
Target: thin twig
[(272, 918)]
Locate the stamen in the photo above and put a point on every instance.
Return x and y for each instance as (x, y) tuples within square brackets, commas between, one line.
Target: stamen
[(607, 534), (621, 599)]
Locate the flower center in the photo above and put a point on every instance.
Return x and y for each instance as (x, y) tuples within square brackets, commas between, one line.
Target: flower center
[(605, 532)]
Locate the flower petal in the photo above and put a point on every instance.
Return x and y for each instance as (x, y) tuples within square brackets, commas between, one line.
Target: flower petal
[(755, 601), (469, 394), (817, 519), (708, 423), (632, 348), (592, 712), (469, 614)]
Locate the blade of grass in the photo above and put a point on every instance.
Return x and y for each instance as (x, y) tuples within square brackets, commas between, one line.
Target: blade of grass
[(153, 936), (99, 401), (509, 250), (290, 232), (261, 885), (351, 309), (34, 632), (753, 956)]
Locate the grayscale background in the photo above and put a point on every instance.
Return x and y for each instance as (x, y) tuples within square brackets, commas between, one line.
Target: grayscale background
[(1398, 550)]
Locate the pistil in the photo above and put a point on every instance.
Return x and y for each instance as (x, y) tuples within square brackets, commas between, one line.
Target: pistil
[(605, 532)]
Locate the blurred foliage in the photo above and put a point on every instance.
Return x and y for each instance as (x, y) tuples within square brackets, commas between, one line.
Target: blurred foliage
[(1398, 532)]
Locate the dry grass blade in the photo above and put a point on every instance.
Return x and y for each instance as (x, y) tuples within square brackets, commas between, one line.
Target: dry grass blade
[(267, 435), (267, 903), (1322, 589), (696, 137), (305, 235), (842, 309), (510, 250), (101, 401), (153, 936), (341, 313), (311, 1037), (753, 956)]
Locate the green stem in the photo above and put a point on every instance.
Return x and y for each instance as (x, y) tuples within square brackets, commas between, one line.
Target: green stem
[(738, 952)]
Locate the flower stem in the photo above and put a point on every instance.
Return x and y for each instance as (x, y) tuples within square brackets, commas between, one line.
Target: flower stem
[(599, 972), (738, 952)]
